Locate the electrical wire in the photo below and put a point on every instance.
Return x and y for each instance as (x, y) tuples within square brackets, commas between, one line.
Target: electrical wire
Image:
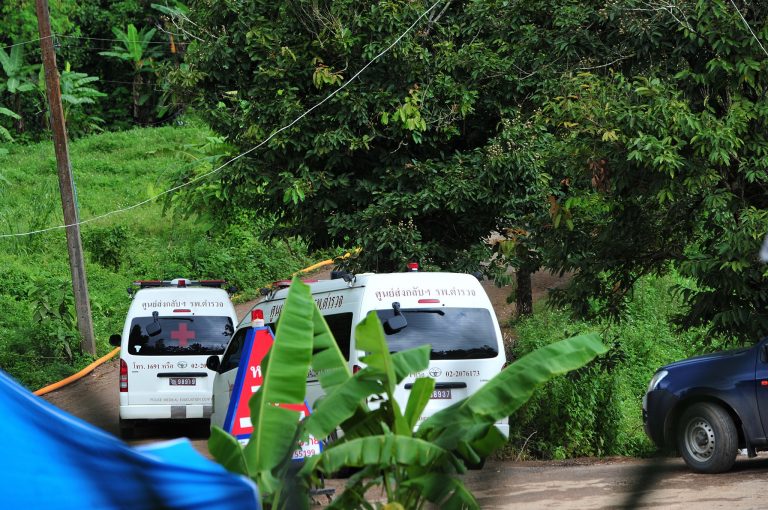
[(242, 154), (749, 27), (26, 42), (167, 43)]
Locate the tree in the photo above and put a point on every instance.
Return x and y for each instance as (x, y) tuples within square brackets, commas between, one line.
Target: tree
[(398, 162), (649, 156), (670, 171)]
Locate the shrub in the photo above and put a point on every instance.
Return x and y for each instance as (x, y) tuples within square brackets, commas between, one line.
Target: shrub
[(596, 410), (108, 246)]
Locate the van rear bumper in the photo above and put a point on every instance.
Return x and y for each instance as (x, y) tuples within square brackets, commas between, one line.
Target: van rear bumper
[(165, 412)]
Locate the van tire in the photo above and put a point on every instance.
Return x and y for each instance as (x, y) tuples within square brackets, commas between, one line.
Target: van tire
[(127, 429), (707, 438)]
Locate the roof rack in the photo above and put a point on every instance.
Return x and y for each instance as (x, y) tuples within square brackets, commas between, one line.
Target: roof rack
[(179, 282), (282, 284)]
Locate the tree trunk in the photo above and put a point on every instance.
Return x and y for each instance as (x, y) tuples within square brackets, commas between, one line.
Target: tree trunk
[(524, 292), (136, 96)]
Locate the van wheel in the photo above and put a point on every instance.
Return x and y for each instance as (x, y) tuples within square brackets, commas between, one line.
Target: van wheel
[(707, 438), (127, 429)]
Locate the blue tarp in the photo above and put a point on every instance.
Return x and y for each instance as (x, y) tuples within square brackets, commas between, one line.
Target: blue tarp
[(53, 460)]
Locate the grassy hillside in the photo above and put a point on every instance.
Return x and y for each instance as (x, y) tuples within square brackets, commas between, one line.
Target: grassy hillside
[(112, 171)]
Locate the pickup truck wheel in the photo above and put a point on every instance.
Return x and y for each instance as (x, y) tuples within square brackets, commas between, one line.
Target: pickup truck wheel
[(707, 438)]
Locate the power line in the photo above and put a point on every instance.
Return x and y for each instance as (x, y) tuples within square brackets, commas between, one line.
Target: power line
[(167, 43), (84, 38), (25, 42), (749, 27), (243, 154)]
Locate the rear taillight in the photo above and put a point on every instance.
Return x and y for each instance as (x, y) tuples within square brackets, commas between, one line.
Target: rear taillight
[(356, 368), (123, 375)]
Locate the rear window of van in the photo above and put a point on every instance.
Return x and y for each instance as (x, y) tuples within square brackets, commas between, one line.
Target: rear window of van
[(198, 335), (453, 333)]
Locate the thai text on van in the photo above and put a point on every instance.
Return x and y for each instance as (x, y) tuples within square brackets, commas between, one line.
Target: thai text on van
[(323, 303), (419, 292), (180, 303)]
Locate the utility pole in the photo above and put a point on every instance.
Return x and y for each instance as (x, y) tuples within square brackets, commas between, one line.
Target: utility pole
[(66, 184)]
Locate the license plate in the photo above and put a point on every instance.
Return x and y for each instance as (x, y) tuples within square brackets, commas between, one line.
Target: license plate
[(182, 381), (441, 394)]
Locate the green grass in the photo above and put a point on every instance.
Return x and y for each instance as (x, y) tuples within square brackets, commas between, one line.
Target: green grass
[(111, 171)]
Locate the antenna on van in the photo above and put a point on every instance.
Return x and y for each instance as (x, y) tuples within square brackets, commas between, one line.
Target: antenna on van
[(342, 271)]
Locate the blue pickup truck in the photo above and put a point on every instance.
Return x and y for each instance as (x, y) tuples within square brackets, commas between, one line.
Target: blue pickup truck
[(708, 407)]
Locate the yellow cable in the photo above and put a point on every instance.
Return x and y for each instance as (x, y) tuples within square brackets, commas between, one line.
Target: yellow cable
[(75, 377)]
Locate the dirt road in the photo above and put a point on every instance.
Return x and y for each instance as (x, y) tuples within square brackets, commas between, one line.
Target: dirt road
[(617, 483), (574, 484)]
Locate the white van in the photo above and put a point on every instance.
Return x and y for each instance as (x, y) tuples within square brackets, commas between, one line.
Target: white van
[(449, 311), (171, 329)]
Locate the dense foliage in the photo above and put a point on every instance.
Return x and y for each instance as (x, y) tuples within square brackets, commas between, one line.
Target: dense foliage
[(405, 162), (94, 42), (613, 140), (596, 410)]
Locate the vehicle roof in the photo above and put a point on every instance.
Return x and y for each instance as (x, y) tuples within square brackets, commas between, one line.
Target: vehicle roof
[(159, 291), (199, 300), (379, 280)]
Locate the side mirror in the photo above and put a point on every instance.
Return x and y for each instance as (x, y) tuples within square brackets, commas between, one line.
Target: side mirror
[(213, 363), (115, 340)]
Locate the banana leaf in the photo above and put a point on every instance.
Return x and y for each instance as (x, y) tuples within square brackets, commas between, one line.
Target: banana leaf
[(383, 451), (345, 400), (447, 492), (507, 391), (418, 399), (327, 359), (370, 338), (227, 451)]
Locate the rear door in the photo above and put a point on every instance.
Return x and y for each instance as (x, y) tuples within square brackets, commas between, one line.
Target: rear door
[(167, 355), (464, 353)]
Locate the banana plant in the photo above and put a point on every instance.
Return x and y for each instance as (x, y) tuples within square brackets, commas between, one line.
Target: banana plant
[(135, 47), (17, 82), (76, 91), (17, 72), (4, 133), (414, 465)]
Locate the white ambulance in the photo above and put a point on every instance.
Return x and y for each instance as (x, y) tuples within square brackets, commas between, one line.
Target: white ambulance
[(449, 311), (171, 329)]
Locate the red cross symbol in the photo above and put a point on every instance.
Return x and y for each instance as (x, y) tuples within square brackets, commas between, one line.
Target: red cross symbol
[(183, 334)]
